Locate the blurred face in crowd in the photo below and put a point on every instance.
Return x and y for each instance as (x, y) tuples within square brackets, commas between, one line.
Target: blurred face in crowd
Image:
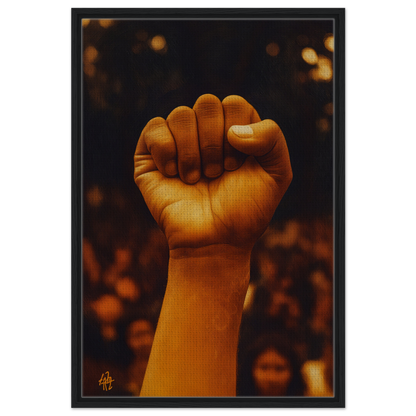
[(140, 336), (268, 268), (123, 258), (272, 373)]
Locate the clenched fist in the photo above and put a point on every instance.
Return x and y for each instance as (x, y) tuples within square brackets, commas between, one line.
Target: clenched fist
[(213, 174)]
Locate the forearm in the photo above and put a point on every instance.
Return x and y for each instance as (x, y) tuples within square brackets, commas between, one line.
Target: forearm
[(195, 348)]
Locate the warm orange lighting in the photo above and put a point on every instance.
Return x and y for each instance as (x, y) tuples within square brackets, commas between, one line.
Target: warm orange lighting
[(329, 42), (92, 267), (323, 125), (90, 55), (123, 258), (85, 22), (127, 289), (158, 43), (106, 23), (309, 56), (329, 109), (90, 70), (108, 308), (324, 68), (272, 49), (323, 71), (94, 196)]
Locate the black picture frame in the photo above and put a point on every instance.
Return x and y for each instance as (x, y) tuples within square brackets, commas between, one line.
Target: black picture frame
[(338, 17)]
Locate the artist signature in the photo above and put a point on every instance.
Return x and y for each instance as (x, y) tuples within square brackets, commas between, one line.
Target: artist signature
[(106, 381)]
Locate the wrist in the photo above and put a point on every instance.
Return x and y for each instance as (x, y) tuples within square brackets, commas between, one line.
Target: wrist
[(227, 251), (217, 267), (209, 284)]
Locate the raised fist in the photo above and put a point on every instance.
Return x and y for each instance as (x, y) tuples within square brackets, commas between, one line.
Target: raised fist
[(213, 174)]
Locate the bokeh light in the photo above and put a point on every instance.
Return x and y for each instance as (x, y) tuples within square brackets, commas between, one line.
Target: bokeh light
[(272, 49), (323, 125), (329, 109), (106, 23), (85, 22), (108, 308), (95, 196), (329, 42), (158, 43), (90, 56), (127, 289), (323, 71), (309, 56)]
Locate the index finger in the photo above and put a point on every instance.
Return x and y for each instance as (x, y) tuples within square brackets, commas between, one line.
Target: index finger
[(237, 111), (156, 149)]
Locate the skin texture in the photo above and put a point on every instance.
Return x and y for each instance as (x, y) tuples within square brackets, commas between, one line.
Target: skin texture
[(213, 193)]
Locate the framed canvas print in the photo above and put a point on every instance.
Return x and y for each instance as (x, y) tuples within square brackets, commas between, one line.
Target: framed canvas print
[(208, 208)]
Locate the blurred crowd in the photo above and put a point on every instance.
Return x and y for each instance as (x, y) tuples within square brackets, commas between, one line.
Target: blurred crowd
[(286, 332)]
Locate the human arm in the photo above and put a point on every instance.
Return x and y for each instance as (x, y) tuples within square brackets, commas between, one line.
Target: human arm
[(213, 202), (195, 348)]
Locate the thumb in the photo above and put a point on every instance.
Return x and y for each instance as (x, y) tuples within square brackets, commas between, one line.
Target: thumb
[(266, 142)]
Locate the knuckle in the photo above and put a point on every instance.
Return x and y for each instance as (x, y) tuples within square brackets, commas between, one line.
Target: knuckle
[(234, 101), (211, 148), (162, 146), (272, 124), (155, 123), (155, 128), (189, 159), (207, 98), (181, 116), (155, 138), (290, 176), (236, 106), (288, 179), (208, 105)]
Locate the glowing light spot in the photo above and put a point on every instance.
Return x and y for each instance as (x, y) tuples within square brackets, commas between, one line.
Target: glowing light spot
[(106, 23), (324, 68), (95, 196), (329, 42), (323, 71), (85, 22), (272, 49), (108, 308), (158, 43), (323, 125), (127, 289), (90, 54), (329, 109), (309, 56)]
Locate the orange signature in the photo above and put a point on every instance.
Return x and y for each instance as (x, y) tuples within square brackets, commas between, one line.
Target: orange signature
[(106, 381)]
